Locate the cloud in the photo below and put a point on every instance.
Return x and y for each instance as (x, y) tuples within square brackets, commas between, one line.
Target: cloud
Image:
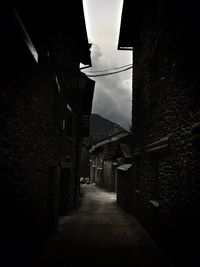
[(95, 53), (113, 101), (112, 96)]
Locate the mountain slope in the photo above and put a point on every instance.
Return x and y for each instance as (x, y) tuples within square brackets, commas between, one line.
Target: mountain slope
[(101, 127)]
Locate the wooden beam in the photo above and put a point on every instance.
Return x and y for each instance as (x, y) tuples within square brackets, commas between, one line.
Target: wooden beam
[(25, 36)]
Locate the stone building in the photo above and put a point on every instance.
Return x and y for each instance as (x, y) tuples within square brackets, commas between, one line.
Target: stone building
[(106, 155), (45, 107), (164, 37)]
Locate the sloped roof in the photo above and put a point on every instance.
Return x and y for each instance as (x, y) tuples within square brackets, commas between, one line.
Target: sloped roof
[(56, 27), (110, 139), (124, 167), (130, 23)]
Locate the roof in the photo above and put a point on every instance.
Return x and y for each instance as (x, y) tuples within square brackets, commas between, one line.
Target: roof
[(124, 167), (53, 28), (110, 139), (182, 16), (25, 36), (130, 23)]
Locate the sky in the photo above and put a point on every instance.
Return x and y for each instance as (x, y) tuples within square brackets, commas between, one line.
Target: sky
[(113, 93)]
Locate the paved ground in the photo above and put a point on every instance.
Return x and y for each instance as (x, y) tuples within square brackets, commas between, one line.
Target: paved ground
[(100, 233)]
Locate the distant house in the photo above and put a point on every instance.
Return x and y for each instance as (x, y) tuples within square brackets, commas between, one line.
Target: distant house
[(106, 155)]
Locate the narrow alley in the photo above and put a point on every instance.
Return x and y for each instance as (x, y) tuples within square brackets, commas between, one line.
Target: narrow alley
[(104, 93), (100, 233)]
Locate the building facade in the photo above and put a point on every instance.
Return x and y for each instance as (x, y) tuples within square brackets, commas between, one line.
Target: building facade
[(106, 155), (43, 119), (165, 194)]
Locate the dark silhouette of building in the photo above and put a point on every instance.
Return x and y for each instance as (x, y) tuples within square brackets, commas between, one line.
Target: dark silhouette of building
[(45, 108), (165, 194)]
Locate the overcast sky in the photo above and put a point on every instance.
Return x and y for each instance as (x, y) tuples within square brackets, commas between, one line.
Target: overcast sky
[(113, 96)]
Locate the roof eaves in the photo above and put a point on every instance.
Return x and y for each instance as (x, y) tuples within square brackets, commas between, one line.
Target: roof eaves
[(130, 24)]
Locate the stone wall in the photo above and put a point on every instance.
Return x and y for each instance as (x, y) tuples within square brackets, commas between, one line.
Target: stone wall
[(28, 151), (166, 116), (39, 96), (29, 146)]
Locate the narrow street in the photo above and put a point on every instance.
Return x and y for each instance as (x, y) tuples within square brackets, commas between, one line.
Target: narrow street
[(105, 90), (100, 233)]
